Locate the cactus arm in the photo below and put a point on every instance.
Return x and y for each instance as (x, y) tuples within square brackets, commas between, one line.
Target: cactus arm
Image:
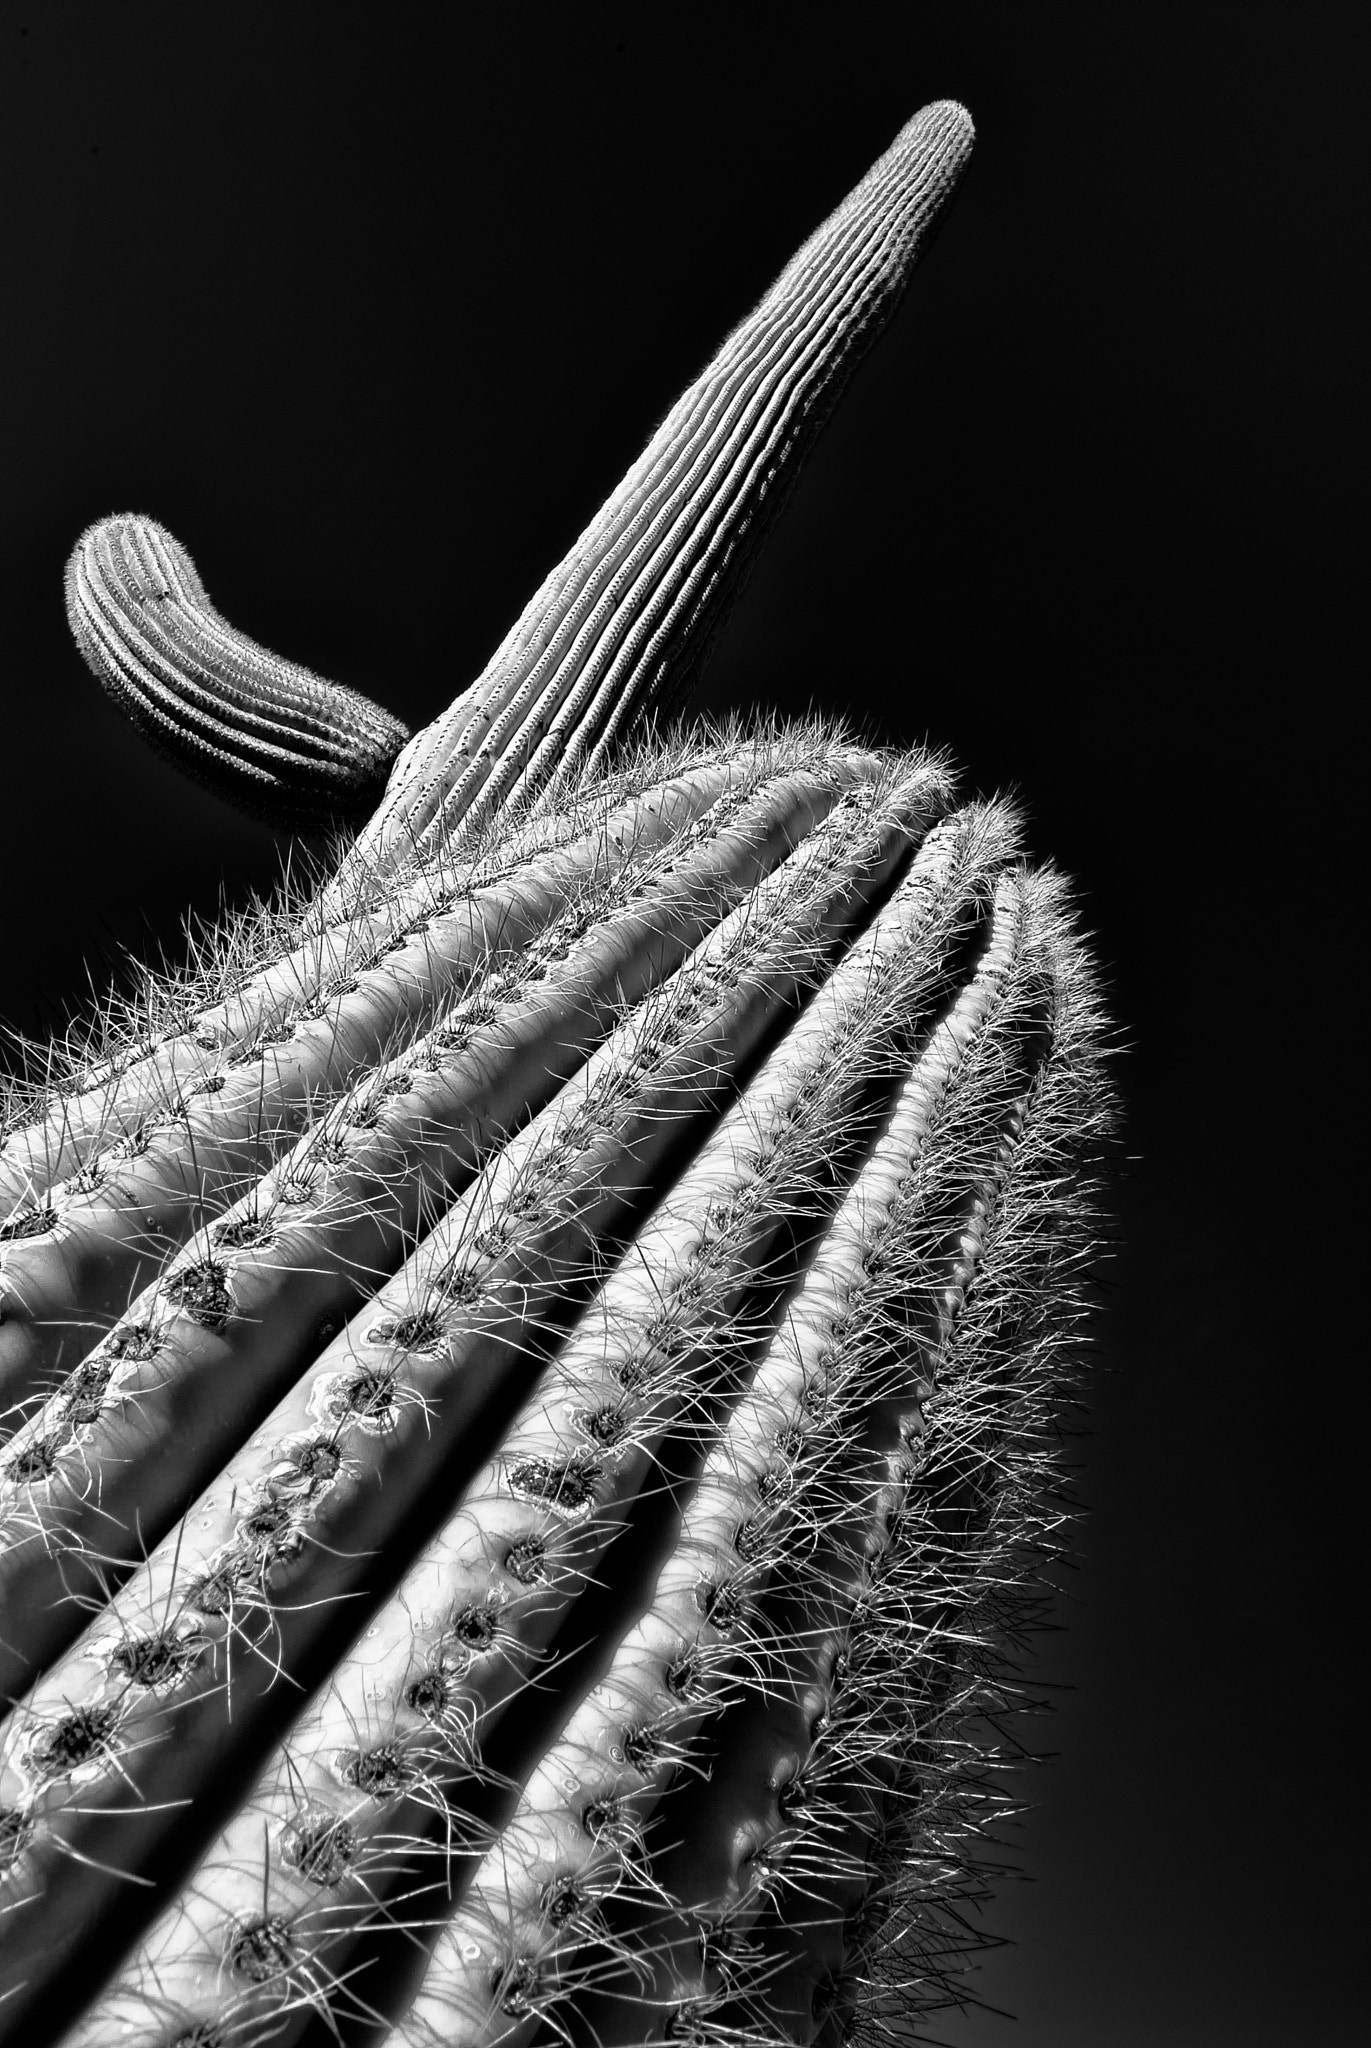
[(683, 1281), (113, 1223), (409, 1409), (265, 733), (619, 628), (76, 1501), (616, 633)]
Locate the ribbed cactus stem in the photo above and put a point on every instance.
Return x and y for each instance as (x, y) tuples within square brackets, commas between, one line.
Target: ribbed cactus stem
[(621, 625), (400, 1408), (629, 1737), (464, 1636), (263, 976), (527, 1380), (238, 1315), (266, 733), (919, 1483), (189, 1146)]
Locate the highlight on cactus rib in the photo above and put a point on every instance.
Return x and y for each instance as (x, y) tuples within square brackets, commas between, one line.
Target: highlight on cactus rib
[(531, 1377)]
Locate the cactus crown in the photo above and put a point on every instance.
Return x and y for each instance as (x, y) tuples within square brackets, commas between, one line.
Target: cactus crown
[(529, 1375)]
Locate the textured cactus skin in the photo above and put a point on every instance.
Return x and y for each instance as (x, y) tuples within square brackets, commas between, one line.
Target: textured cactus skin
[(533, 1378)]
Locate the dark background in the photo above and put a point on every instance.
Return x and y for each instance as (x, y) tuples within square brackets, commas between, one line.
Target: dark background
[(372, 307)]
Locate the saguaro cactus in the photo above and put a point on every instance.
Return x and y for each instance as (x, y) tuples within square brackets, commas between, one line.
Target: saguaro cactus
[(531, 1377)]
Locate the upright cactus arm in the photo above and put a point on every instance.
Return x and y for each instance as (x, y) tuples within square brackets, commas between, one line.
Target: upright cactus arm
[(621, 626), (267, 734)]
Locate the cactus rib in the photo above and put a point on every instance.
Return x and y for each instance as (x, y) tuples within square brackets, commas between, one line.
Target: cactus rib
[(879, 1647), (705, 1608)]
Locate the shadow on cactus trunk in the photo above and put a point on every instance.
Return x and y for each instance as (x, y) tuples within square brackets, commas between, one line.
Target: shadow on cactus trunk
[(532, 1384)]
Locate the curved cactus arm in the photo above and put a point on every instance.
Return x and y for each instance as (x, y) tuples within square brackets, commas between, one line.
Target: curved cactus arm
[(466, 1634), (80, 1257), (399, 1407), (267, 734), (236, 1318), (618, 629)]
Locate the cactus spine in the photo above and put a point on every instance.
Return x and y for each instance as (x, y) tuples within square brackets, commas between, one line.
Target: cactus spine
[(529, 1385)]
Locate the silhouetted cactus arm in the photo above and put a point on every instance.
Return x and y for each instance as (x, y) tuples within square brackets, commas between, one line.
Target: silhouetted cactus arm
[(619, 628), (267, 734)]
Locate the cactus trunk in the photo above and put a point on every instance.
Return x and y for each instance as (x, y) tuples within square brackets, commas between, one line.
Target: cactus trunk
[(528, 1385)]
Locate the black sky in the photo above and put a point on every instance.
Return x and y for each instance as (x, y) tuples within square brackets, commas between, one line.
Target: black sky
[(372, 309)]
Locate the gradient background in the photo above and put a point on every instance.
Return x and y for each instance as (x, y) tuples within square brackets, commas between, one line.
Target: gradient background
[(372, 309)]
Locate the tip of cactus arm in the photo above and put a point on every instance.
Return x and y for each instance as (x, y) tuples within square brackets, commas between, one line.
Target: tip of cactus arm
[(956, 112)]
